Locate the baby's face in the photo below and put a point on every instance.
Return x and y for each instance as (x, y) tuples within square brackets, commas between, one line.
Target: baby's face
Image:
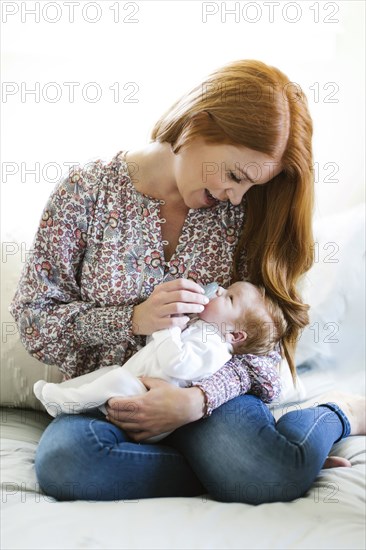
[(228, 306)]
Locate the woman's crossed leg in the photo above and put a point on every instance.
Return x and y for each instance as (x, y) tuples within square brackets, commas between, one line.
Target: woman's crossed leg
[(238, 454)]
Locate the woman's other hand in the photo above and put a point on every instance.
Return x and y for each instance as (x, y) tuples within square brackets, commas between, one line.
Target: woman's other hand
[(168, 306), (163, 408)]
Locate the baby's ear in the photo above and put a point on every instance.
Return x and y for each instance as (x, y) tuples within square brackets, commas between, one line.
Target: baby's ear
[(237, 337)]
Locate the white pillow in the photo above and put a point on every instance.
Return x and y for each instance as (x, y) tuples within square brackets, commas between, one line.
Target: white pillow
[(19, 370), (335, 290), (289, 392)]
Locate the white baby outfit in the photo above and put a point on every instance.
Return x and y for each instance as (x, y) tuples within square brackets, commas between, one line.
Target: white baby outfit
[(176, 356)]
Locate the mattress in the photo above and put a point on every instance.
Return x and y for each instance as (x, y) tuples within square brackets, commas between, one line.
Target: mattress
[(330, 516)]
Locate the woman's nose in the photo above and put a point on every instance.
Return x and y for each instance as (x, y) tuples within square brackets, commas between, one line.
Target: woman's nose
[(236, 195)]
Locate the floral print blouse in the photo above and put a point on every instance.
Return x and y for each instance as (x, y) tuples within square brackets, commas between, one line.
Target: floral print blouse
[(98, 252)]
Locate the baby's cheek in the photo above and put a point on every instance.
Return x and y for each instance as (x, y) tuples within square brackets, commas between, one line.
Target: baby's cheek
[(210, 309), (207, 313)]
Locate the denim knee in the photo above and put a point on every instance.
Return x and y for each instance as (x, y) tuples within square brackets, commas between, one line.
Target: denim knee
[(279, 483), (239, 456), (270, 479), (62, 457), (84, 458)]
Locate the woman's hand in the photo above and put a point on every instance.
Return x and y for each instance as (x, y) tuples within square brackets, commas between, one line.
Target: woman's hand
[(162, 409), (168, 306)]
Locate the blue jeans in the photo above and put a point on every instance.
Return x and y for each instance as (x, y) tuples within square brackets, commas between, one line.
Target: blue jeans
[(238, 454)]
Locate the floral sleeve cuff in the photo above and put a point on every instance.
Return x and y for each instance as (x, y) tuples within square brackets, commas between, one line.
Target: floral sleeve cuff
[(105, 326), (220, 387), (237, 377)]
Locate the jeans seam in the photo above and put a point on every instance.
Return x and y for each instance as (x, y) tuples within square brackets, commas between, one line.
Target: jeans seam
[(325, 413), (268, 413), (120, 451)]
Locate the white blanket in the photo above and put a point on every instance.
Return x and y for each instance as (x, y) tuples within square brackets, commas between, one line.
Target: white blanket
[(330, 516)]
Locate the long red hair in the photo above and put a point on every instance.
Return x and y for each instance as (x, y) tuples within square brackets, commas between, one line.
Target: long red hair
[(252, 104)]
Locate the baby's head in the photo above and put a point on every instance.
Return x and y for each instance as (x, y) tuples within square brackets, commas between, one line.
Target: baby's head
[(249, 319)]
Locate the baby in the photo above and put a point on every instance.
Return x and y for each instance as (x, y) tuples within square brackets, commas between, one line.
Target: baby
[(239, 320)]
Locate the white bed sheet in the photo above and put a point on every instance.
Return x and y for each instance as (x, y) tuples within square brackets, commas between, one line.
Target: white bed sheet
[(330, 516)]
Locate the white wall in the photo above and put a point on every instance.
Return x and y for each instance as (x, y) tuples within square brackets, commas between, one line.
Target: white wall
[(166, 51)]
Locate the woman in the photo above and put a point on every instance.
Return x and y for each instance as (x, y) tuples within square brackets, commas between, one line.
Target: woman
[(223, 192)]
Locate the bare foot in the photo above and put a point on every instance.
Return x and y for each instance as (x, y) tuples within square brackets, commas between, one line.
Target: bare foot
[(336, 462), (353, 406)]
